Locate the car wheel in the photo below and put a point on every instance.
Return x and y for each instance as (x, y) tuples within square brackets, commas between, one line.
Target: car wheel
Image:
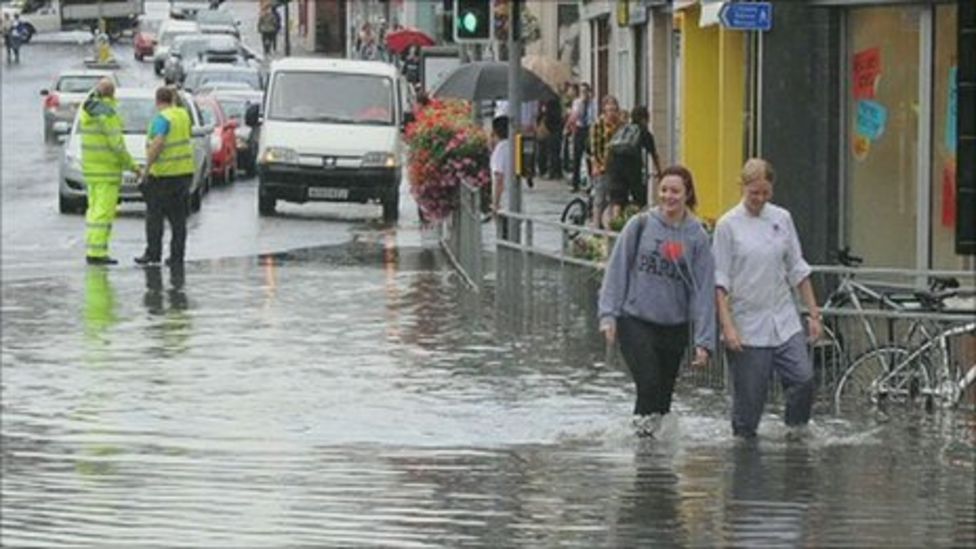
[(266, 204), (391, 206)]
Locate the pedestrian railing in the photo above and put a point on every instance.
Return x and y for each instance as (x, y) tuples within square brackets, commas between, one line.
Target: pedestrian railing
[(461, 236), (542, 284)]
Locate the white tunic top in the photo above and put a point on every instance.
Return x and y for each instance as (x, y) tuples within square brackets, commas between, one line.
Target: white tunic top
[(758, 261)]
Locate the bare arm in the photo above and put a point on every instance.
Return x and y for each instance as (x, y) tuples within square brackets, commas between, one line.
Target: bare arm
[(499, 189), (153, 151), (810, 300), (729, 332)]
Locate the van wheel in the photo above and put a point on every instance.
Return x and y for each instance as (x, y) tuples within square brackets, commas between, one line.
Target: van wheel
[(391, 206), (266, 204)]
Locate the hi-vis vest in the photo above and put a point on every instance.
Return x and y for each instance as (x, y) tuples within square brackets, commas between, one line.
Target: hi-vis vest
[(176, 157), (103, 152)]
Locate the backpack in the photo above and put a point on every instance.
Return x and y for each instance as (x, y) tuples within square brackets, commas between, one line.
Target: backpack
[(626, 141)]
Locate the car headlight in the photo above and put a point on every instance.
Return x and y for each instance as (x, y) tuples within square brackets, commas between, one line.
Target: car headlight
[(379, 159), (280, 155)]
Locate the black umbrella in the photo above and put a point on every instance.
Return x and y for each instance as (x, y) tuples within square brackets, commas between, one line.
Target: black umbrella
[(489, 80)]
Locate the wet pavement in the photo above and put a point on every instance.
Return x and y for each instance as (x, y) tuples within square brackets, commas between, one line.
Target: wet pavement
[(320, 379)]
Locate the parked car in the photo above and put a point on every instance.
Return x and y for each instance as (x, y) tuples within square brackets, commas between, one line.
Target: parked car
[(168, 31), (235, 104), (69, 90), (204, 73), (331, 131), (223, 142), (185, 51), (218, 22), (137, 106), (144, 40)]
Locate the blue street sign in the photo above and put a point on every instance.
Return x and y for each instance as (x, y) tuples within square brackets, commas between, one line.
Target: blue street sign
[(747, 16)]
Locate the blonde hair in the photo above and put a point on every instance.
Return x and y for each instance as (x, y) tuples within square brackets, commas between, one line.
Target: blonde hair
[(756, 169)]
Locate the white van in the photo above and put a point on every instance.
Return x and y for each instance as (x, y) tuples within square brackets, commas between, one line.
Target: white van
[(331, 131)]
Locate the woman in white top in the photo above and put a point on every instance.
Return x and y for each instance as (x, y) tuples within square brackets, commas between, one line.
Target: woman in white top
[(758, 262)]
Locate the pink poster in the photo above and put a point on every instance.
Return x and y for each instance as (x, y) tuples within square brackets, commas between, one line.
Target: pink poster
[(867, 69)]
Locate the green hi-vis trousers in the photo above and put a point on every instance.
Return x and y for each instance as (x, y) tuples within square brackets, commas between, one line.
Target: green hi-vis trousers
[(103, 197)]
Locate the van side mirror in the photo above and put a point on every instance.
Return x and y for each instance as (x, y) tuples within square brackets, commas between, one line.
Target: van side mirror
[(252, 117)]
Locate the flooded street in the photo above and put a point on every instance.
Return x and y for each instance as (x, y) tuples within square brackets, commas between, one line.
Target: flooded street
[(322, 379), (357, 395)]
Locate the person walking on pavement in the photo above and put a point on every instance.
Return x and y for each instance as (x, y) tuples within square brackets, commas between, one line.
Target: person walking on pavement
[(8, 27), (599, 148), (501, 159), (580, 121), (103, 159), (660, 278), (268, 28), (169, 169), (629, 148), (16, 37), (758, 261)]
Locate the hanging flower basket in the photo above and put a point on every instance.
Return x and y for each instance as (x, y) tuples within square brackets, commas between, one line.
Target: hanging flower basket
[(446, 148)]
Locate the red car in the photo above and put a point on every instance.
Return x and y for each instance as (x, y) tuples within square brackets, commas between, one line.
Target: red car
[(145, 38), (223, 141)]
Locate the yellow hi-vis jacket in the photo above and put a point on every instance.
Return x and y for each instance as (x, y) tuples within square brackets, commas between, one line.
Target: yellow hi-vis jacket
[(176, 157), (103, 153)]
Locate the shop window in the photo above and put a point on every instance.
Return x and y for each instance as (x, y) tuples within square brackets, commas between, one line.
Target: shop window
[(882, 133), (944, 130)]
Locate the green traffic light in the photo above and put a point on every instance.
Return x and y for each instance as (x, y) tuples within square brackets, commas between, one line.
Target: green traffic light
[(469, 22)]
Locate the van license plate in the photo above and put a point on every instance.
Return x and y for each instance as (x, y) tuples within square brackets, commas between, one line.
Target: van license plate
[(328, 192)]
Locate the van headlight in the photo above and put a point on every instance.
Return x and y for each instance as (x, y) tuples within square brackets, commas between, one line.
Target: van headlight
[(379, 160), (280, 155)]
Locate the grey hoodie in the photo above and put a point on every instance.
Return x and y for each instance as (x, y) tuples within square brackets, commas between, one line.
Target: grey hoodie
[(662, 274)]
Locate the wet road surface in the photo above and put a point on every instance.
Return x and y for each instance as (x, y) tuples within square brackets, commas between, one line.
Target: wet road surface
[(319, 379)]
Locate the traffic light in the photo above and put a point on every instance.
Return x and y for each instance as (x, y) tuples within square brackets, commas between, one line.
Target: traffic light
[(473, 20)]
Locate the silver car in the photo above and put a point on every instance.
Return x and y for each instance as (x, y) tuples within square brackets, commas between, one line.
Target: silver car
[(69, 90), (137, 106)]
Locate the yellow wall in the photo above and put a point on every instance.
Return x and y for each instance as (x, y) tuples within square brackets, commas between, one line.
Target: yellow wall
[(712, 107)]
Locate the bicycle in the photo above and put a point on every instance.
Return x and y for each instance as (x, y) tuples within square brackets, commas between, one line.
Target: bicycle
[(579, 211), (892, 372), (832, 351)]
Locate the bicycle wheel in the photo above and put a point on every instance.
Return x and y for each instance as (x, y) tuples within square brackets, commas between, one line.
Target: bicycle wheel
[(575, 213), (882, 375)]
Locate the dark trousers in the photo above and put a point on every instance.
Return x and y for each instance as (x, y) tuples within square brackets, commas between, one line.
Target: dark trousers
[(653, 354), (549, 164), (580, 136), (166, 197), (268, 40), (751, 370)]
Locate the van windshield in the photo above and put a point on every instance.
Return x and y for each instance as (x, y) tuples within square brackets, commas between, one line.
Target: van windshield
[(339, 98)]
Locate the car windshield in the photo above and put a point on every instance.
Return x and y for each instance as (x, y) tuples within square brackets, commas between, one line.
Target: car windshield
[(167, 37), (150, 25), (136, 113), (190, 49), (207, 114), (77, 84), (201, 78), (234, 108), (339, 98)]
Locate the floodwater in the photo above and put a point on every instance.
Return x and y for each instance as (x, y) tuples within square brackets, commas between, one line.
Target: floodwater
[(358, 395)]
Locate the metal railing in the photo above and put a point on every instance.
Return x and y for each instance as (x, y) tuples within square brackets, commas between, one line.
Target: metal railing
[(541, 284), (461, 237)]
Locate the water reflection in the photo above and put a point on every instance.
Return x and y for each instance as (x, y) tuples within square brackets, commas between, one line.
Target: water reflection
[(171, 326), (352, 396)]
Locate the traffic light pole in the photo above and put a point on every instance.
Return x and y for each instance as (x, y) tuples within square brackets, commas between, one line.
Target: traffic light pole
[(514, 113)]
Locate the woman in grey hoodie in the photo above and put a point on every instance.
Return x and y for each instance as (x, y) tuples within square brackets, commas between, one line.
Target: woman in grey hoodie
[(660, 278)]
